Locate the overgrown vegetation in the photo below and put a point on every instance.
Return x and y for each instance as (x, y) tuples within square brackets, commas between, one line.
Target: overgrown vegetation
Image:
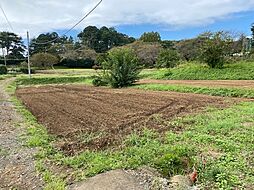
[(168, 59), (226, 92), (196, 71), (215, 48)]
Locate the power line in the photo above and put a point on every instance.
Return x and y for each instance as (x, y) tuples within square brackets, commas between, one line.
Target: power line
[(6, 18), (83, 18)]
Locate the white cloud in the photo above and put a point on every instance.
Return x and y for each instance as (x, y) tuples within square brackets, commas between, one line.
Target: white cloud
[(49, 15)]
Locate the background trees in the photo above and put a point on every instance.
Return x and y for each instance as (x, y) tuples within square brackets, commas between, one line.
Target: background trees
[(252, 30), (103, 39), (168, 58), (215, 48), (150, 37), (44, 60), (13, 45)]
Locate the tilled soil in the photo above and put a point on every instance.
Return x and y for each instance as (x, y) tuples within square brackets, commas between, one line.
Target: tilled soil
[(17, 170), (203, 83), (95, 118)]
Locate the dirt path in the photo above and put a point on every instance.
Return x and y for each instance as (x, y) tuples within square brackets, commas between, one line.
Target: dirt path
[(204, 83), (17, 169)]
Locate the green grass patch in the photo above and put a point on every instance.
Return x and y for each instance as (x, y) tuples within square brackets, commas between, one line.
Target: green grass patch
[(226, 92), (219, 143), (198, 71), (53, 80), (36, 136)]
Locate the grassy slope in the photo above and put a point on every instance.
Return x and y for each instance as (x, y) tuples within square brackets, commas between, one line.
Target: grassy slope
[(196, 71), (226, 92)]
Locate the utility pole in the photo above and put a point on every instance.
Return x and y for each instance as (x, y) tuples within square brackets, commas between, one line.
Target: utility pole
[(28, 58), (5, 62)]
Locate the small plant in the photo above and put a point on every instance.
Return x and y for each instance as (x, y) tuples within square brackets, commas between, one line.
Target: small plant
[(3, 70), (168, 58)]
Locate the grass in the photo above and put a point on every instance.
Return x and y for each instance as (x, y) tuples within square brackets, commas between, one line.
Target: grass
[(219, 143), (226, 92), (197, 71), (36, 136), (43, 80)]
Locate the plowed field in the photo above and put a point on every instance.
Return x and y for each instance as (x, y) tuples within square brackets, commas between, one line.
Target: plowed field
[(86, 117)]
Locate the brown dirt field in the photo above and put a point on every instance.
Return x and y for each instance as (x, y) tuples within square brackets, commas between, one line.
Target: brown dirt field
[(87, 117), (203, 83)]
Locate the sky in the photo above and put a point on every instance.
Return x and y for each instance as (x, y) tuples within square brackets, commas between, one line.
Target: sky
[(174, 20)]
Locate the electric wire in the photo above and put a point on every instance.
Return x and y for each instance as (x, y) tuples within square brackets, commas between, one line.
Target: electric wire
[(6, 18), (82, 19)]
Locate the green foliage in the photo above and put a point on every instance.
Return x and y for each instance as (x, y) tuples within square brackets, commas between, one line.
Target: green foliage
[(227, 92), (44, 60), (252, 30), (197, 71), (99, 81), (24, 68), (3, 70), (121, 69), (168, 59), (53, 80), (13, 44), (150, 37), (103, 39), (147, 53), (215, 48), (178, 161)]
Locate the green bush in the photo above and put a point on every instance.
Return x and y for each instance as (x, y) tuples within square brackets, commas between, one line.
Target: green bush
[(168, 58), (3, 70), (215, 49), (99, 81), (121, 68), (176, 162)]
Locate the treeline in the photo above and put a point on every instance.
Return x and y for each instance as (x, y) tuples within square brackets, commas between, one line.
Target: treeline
[(92, 45)]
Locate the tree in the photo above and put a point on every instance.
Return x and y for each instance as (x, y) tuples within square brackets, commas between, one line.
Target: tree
[(121, 69), (103, 39), (146, 52), (168, 58), (55, 46), (252, 30), (189, 49), (215, 48), (13, 45), (44, 60), (79, 58), (150, 37)]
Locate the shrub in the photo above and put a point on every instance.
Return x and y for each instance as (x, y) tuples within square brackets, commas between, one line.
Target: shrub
[(121, 69), (176, 162), (168, 58), (24, 68), (3, 70), (99, 81), (215, 49), (44, 60)]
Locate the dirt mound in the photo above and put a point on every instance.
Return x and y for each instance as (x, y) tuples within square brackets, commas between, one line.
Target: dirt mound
[(95, 118)]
